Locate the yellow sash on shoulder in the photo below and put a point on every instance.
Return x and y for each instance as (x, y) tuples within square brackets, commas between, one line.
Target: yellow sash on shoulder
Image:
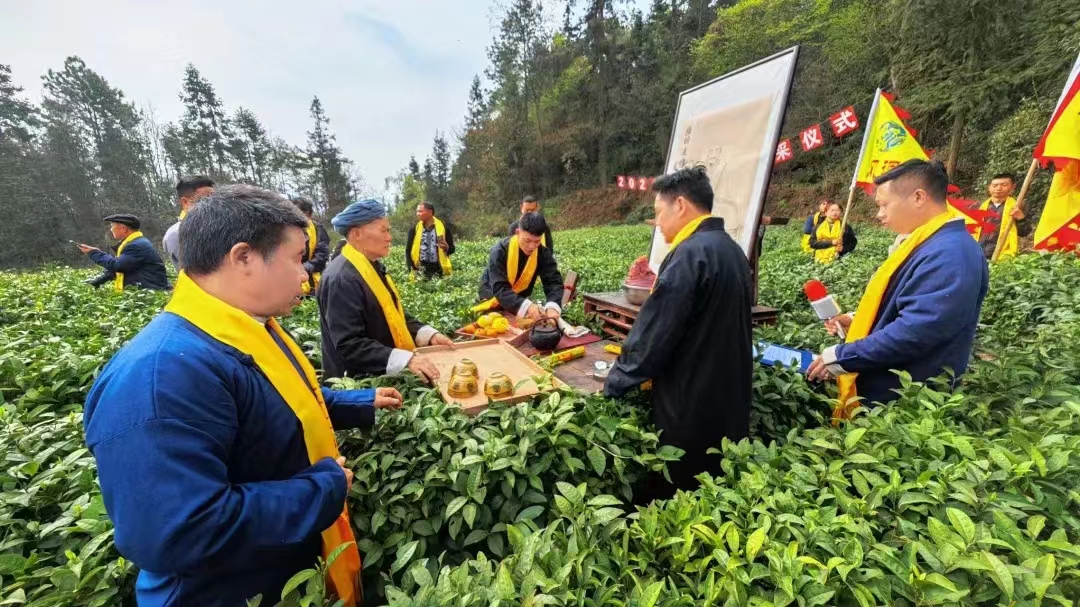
[(395, 315), (687, 231), (118, 282), (513, 253), (866, 313), (235, 328), (1007, 240), (444, 259), (312, 241)]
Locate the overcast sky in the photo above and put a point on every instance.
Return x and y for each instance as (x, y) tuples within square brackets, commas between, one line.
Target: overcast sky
[(389, 72)]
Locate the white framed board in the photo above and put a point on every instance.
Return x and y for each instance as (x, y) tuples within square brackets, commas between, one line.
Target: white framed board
[(731, 125)]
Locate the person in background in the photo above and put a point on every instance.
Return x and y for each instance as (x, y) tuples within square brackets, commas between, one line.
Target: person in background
[(692, 337), (429, 245), (530, 204), (136, 263), (513, 266), (188, 191), (317, 252), (921, 308), (365, 330), (812, 223), (1000, 203), (214, 444), (827, 242)]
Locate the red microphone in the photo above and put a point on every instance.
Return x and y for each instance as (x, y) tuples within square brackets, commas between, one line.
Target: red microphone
[(823, 303)]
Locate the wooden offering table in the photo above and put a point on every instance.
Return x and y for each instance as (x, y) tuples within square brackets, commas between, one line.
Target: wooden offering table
[(578, 374), (618, 315)]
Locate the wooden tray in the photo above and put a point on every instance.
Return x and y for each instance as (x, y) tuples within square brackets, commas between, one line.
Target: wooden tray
[(490, 356), (513, 336)]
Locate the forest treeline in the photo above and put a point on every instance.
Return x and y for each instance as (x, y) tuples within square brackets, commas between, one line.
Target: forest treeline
[(574, 94)]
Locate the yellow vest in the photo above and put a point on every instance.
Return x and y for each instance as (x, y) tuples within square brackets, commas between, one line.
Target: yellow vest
[(312, 241), (513, 252), (828, 230)]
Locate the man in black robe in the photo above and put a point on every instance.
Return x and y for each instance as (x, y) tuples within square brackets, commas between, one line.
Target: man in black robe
[(358, 331), (507, 288), (692, 337), (135, 263), (317, 251), (530, 204)]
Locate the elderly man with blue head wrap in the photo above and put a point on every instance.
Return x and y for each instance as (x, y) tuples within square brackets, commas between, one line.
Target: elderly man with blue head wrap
[(365, 330)]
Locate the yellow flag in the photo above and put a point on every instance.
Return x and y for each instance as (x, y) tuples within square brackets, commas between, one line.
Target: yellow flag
[(886, 144), (1060, 144)]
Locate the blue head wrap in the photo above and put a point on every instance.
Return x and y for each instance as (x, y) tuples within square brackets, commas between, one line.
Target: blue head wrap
[(357, 214)]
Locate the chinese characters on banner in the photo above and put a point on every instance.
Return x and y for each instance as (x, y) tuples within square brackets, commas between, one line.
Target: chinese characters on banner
[(811, 138), (633, 182), (784, 152), (843, 123)]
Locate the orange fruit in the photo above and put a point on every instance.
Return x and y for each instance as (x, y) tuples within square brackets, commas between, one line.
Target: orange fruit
[(469, 330)]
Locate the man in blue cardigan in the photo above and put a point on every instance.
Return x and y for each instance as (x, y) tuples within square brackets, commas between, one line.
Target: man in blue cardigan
[(135, 259), (922, 306), (204, 466)]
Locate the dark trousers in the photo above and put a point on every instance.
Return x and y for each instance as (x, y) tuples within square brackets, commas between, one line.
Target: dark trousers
[(683, 472), (431, 270)]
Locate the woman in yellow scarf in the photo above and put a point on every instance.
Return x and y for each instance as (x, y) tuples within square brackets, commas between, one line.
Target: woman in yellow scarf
[(827, 242)]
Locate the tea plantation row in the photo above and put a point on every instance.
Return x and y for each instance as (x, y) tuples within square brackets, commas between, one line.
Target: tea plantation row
[(963, 499)]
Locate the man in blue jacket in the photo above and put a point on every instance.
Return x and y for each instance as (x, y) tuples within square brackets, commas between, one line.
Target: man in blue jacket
[(214, 443), (136, 263), (921, 308)]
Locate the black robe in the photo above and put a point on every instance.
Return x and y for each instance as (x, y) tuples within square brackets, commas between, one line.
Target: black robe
[(356, 340), (317, 262), (547, 234), (495, 283), (692, 338)]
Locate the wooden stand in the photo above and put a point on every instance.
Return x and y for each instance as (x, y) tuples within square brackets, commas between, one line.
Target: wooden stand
[(617, 314)]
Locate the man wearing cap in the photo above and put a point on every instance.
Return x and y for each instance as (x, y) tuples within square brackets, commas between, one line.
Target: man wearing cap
[(188, 191), (365, 330), (136, 262)]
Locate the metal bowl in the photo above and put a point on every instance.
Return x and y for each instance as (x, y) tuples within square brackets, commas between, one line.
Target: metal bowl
[(636, 295)]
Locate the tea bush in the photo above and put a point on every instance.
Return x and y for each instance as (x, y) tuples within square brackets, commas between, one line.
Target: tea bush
[(960, 499)]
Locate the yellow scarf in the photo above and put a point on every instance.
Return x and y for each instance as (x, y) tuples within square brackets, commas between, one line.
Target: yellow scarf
[(683, 234), (118, 282), (312, 241), (183, 214), (1007, 240), (233, 327), (395, 315), (444, 259), (806, 237), (866, 314), (513, 253), (828, 230)]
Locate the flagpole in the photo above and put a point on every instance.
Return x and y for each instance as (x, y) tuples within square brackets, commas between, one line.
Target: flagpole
[(862, 148), (1006, 221)]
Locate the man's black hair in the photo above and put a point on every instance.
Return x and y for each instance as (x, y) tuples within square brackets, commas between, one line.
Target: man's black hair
[(1008, 176), (529, 199), (304, 204), (427, 205), (189, 183), (231, 215), (533, 223), (927, 175), (691, 183)]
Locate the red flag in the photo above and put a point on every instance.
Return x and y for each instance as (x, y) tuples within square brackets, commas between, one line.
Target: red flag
[(845, 121), (811, 138), (784, 152)]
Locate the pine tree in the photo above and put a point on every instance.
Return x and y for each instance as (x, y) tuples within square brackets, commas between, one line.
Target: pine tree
[(329, 166), (204, 127)]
